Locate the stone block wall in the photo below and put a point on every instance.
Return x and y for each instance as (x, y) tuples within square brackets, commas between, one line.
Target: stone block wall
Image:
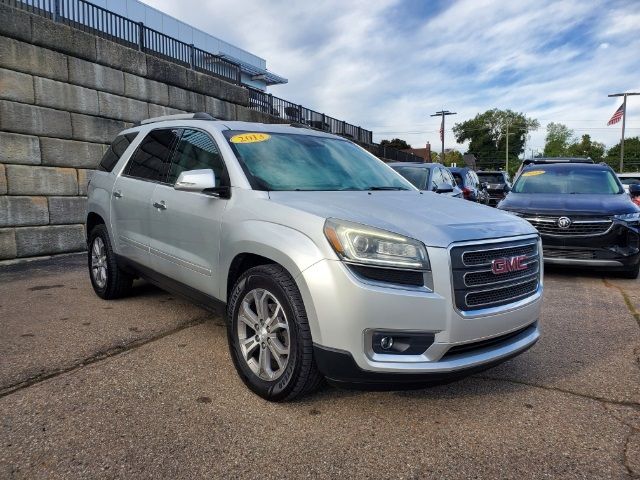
[(64, 95)]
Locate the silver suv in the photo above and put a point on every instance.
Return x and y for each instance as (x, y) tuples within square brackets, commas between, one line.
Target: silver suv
[(331, 265)]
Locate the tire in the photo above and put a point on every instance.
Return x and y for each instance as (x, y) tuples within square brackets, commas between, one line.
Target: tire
[(632, 272), (269, 299), (108, 280)]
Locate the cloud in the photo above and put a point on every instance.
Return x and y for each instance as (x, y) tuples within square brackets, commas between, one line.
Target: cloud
[(387, 65)]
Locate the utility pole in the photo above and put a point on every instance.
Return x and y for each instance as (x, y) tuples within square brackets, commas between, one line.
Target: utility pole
[(442, 113), (624, 118), (506, 150)]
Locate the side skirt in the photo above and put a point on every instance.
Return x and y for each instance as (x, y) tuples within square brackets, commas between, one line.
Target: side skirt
[(196, 297)]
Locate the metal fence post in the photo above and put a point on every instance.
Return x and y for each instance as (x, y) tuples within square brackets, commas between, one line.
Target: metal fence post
[(192, 56), (271, 111), (140, 36), (300, 119), (56, 10)]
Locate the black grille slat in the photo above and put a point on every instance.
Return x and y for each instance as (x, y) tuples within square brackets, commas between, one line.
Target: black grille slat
[(487, 277), (484, 257), (570, 254), (476, 286), (579, 227), (509, 292), (469, 347)]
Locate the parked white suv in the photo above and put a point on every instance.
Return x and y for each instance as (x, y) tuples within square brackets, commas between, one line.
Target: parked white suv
[(330, 263)]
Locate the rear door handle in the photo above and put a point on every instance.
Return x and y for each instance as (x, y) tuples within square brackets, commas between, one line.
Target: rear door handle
[(160, 205), (117, 194)]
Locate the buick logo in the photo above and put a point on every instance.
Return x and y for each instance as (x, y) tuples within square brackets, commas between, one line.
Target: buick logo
[(511, 264), (564, 222)]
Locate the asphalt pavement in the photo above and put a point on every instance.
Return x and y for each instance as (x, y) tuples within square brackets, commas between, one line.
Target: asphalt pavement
[(143, 387)]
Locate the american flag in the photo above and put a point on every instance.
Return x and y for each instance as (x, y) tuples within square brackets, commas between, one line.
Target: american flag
[(616, 116), (442, 130)]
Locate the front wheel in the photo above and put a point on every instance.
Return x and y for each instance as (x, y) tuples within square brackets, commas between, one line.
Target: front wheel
[(269, 337)]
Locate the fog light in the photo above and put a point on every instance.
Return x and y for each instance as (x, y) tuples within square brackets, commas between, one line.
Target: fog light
[(386, 343)]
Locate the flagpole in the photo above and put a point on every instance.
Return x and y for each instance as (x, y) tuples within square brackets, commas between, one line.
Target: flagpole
[(624, 119)]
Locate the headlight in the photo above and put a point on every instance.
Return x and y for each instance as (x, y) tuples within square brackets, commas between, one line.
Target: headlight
[(358, 243), (633, 218)]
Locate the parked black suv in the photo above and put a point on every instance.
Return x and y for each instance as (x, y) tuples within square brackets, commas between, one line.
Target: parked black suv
[(582, 214), (498, 185)]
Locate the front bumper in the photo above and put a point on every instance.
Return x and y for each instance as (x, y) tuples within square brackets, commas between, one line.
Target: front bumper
[(619, 248), (343, 309)]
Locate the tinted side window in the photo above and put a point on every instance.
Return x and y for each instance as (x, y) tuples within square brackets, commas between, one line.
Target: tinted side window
[(471, 181), (151, 160), (196, 150), (448, 177), (115, 151), (436, 178)]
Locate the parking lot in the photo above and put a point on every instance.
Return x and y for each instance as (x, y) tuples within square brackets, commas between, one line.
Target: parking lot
[(144, 386)]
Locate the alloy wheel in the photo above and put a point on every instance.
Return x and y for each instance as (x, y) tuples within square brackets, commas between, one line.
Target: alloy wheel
[(263, 334)]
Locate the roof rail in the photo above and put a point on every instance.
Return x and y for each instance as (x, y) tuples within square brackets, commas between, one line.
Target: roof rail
[(179, 116)]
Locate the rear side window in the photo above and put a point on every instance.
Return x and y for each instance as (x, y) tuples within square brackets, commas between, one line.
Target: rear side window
[(196, 150), (115, 151), (151, 159)]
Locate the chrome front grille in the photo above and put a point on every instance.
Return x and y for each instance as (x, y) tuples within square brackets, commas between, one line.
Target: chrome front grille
[(478, 285), (579, 227)]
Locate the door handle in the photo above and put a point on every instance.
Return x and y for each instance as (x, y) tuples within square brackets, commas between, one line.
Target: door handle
[(117, 194), (160, 205)]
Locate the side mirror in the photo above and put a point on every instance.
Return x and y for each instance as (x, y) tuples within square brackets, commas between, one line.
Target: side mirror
[(198, 181), (443, 188), (634, 190)]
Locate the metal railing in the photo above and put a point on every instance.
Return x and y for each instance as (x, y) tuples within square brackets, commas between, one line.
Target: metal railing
[(294, 113), (91, 18)]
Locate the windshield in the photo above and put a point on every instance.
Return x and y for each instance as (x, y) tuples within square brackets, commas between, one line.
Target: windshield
[(419, 177), (491, 177), (567, 180), (284, 161)]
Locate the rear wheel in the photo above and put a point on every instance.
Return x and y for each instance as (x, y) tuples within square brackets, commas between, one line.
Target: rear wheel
[(108, 280), (269, 337)]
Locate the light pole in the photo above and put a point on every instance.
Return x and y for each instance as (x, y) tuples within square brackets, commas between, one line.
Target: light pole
[(624, 118), (442, 113)]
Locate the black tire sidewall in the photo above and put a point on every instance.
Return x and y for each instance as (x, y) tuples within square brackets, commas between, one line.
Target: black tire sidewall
[(282, 386)]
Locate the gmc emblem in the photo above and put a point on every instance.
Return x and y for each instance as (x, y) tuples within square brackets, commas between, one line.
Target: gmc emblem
[(505, 265)]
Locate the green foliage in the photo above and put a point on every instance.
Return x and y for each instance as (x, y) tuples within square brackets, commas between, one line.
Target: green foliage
[(587, 148), (487, 133), (557, 141), (450, 156), (631, 155), (396, 143)]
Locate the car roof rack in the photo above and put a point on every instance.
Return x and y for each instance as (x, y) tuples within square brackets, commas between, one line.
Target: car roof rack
[(529, 161), (179, 116)]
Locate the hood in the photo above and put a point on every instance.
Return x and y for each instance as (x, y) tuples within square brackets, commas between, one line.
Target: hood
[(568, 204), (436, 220)]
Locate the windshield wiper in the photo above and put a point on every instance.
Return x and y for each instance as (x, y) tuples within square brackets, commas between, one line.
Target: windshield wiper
[(386, 188)]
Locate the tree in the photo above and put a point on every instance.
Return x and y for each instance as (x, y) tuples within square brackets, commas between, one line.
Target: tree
[(586, 148), (557, 141), (487, 133), (450, 156), (396, 143), (631, 154)]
